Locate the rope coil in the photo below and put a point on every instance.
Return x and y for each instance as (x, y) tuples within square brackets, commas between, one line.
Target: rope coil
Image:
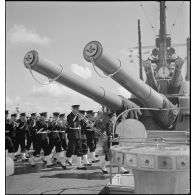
[(50, 80)]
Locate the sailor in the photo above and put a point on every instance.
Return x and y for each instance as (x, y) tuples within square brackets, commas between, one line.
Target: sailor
[(32, 132), (84, 141), (41, 141), (54, 138), (110, 134), (74, 137), (8, 137), (91, 136), (63, 133), (21, 131)]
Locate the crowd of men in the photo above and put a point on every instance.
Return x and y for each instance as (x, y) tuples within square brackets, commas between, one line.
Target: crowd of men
[(68, 136)]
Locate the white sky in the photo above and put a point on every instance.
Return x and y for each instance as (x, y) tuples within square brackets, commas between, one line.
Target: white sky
[(60, 30)]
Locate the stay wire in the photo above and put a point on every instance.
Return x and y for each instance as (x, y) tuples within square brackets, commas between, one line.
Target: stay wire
[(177, 16), (148, 18)]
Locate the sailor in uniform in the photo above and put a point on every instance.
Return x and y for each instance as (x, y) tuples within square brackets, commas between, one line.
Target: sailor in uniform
[(21, 131), (63, 133), (54, 138), (41, 141), (32, 132), (84, 141), (8, 137), (110, 134), (74, 137), (91, 137)]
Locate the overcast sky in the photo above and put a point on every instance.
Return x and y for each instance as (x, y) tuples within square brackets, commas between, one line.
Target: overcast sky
[(60, 30)]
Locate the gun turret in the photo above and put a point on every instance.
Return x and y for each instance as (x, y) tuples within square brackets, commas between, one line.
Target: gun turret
[(94, 53), (33, 61)]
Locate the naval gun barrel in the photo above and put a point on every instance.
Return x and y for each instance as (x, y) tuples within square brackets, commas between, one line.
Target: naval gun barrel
[(33, 61), (151, 81), (176, 79), (93, 52)]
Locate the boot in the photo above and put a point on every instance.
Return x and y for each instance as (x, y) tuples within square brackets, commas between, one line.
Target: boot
[(79, 165), (24, 157), (94, 159), (32, 161), (123, 170), (27, 154), (44, 159), (69, 161), (49, 161), (103, 167), (85, 161)]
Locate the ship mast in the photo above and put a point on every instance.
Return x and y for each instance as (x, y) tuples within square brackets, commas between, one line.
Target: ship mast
[(162, 36), (140, 51)]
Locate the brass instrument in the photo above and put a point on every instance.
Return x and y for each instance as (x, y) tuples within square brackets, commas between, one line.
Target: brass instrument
[(90, 124)]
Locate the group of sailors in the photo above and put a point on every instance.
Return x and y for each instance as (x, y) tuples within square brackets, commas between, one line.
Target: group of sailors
[(66, 137)]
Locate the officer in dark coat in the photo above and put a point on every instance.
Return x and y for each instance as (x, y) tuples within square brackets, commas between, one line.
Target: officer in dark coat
[(21, 131), (74, 137), (41, 141), (91, 137), (8, 137), (32, 132)]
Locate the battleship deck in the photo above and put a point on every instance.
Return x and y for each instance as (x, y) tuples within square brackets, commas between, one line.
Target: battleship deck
[(55, 180)]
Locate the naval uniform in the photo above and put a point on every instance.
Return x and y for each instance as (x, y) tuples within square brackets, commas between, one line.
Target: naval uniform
[(74, 136), (54, 138), (91, 139), (9, 134), (41, 140), (31, 136), (84, 138), (62, 134), (21, 131)]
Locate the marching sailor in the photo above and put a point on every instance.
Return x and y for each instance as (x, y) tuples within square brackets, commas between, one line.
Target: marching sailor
[(110, 133), (41, 141), (91, 136), (63, 133), (31, 136), (9, 145), (21, 131), (74, 137), (84, 141), (54, 138)]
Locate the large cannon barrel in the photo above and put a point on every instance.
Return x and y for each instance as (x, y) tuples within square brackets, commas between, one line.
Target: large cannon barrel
[(176, 79), (151, 80), (93, 52), (33, 61)]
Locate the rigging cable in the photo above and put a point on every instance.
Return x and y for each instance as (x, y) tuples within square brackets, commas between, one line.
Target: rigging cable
[(177, 16), (148, 18)]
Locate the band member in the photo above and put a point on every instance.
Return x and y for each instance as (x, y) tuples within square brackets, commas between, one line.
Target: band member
[(110, 134), (21, 130), (8, 137), (41, 141), (32, 132), (54, 138), (74, 137), (63, 133), (91, 137), (84, 141)]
